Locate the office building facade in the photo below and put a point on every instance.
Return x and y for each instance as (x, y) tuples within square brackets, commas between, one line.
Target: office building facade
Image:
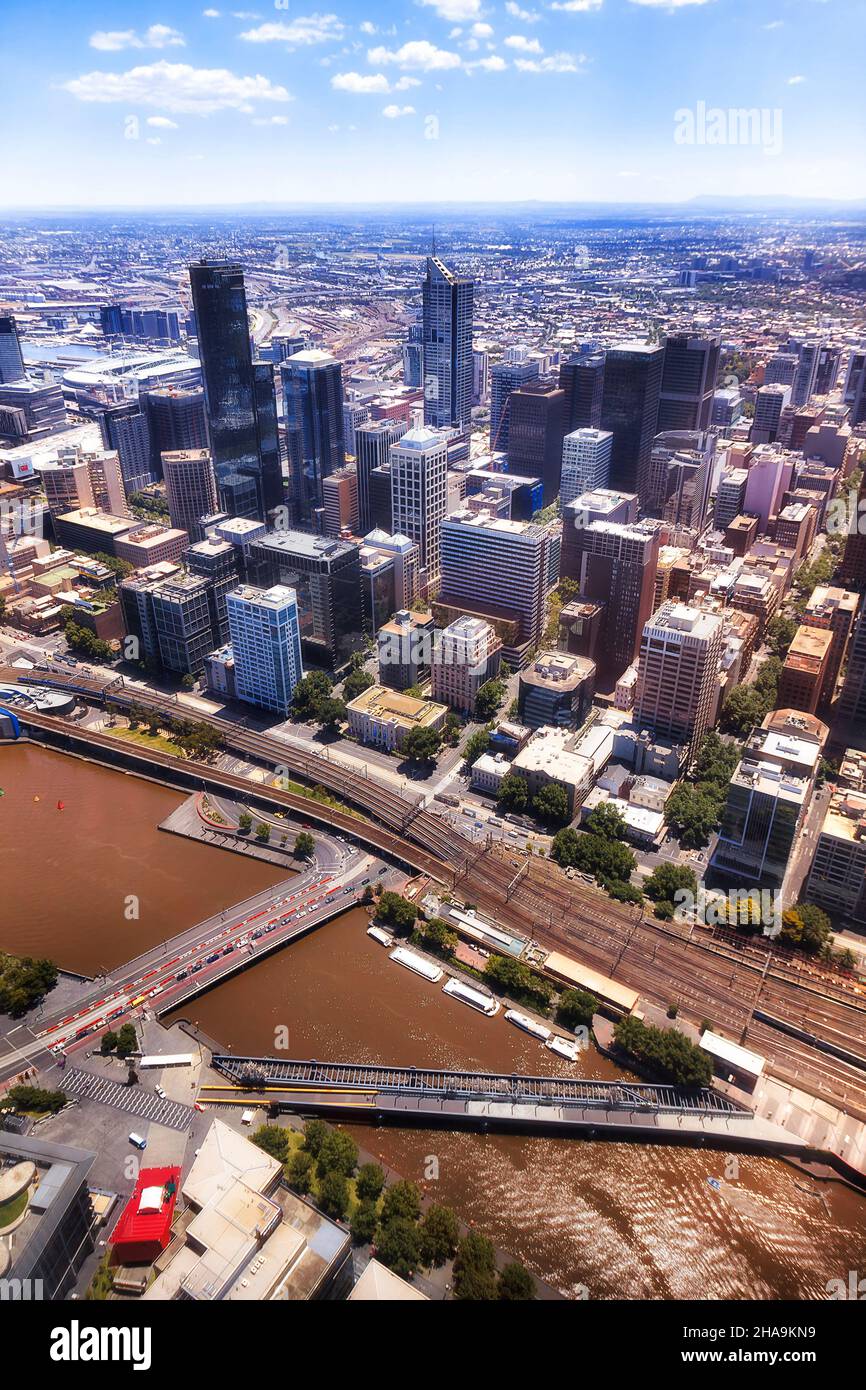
[(313, 415), (447, 347), (266, 646)]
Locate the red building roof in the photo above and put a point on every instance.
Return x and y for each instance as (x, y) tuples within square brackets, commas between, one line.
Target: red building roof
[(144, 1227)]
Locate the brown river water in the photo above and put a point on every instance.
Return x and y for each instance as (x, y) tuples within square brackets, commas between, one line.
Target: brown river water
[(621, 1221)]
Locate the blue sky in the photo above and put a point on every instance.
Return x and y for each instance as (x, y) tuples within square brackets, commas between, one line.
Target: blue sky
[(168, 102)]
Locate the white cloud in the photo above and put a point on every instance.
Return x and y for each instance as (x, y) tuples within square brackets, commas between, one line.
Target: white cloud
[(418, 54), (366, 27), (557, 62), (298, 33), (483, 31), (157, 36), (795, 81), (271, 120), (457, 11), (528, 16), (492, 64), (177, 87), (360, 82), (162, 123), (211, 14), (774, 24), (392, 112), (404, 83), (584, 6), (669, 4), (523, 44)]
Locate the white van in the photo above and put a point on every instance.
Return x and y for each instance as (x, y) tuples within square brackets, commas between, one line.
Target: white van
[(137, 1140)]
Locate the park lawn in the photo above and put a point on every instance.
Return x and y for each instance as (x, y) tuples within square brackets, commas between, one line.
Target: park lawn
[(155, 741), (286, 784)]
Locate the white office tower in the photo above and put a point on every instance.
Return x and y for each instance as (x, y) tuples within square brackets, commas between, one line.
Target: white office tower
[(585, 462), (419, 493), (266, 645)]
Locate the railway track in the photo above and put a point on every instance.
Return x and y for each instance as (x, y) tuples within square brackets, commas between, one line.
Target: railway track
[(710, 976)]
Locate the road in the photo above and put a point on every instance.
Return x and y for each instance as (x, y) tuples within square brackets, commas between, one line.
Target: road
[(166, 975)]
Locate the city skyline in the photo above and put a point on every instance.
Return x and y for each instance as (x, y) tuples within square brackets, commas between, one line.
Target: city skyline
[(146, 105)]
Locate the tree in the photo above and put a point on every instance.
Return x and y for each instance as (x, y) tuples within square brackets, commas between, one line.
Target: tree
[(607, 821), (398, 1246), (665, 1051), (744, 708), (273, 1140), (309, 694), (807, 927), (489, 699), (338, 1154), (108, 1042), (24, 980), (608, 861), (440, 1231), (451, 731), (515, 1283), (364, 1222), (666, 880), (330, 713), (33, 1099), (299, 1172), (780, 634), (477, 744), (421, 745), (127, 1040), (245, 821), (396, 911), (550, 804), (576, 1008), (438, 937), (263, 832), (356, 683), (402, 1201), (188, 681), (514, 978), (693, 814), (305, 845), (513, 793), (475, 1269), (369, 1182), (334, 1195), (315, 1134)]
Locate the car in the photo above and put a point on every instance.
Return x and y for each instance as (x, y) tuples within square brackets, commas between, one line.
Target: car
[(194, 969), (181, 974), (159, 1092), (227, 950), (209, 960), (256, 934)]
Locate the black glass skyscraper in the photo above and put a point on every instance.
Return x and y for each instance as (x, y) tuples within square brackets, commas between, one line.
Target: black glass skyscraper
[(239, 395), (11, 361), (629, 409), (447, 343), (313, 411)]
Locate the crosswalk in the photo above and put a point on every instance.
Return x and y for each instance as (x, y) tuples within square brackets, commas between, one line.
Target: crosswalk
[(134, 1100)]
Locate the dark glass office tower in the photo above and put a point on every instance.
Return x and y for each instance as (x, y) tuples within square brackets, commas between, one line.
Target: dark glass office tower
[(447, 343), (535, 434), (372, 450), (689, 373), (125, 428), (582, 380), (629, 409), (11, 361), (176, 420), (313, 413), (240, 413)]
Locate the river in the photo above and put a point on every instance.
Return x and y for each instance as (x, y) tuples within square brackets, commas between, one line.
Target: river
[(621, 1221)]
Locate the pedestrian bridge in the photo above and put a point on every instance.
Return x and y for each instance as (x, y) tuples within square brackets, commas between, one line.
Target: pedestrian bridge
[(279, 1078)]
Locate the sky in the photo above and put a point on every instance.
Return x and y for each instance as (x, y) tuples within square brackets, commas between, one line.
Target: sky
[(168, 102)]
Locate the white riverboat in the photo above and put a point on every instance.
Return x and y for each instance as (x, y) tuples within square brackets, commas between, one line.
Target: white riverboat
[(529, 1025), (563, 1047), (383, 937), (417, 964), (475, 998)]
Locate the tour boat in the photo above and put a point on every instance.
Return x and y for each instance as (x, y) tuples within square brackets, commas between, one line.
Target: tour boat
[(416, 963), (528, 1024), (381, 936), (563, 1047), (475, 998)]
